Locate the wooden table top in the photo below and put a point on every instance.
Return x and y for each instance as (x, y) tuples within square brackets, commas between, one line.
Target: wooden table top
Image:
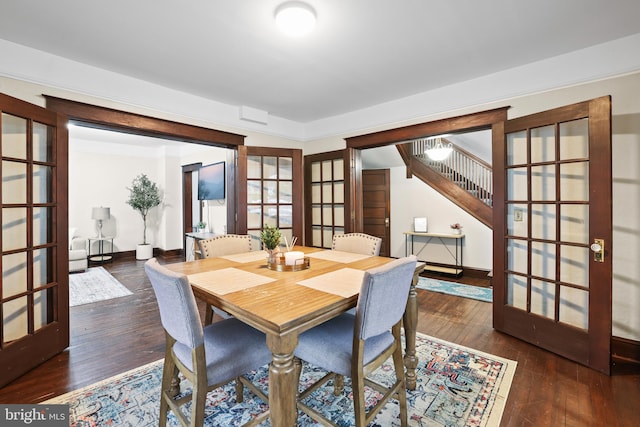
[(282, 305)]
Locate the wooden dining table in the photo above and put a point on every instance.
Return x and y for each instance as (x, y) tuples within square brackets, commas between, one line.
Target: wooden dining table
[(283, 304)]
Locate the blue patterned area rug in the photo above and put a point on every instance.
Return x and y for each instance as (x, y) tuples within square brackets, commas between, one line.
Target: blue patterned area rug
[(457, 289), (456, 386)]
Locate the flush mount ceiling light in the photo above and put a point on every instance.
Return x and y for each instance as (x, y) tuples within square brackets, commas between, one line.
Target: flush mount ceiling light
[(295, 18), (436, 150)]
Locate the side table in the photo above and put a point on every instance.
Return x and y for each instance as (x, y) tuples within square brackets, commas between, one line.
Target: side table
[(101, 255)]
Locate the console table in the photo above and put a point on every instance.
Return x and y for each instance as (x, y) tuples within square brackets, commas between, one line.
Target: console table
[(457, 255)]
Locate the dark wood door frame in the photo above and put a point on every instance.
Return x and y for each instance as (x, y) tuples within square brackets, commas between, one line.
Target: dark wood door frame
[(123, 121)]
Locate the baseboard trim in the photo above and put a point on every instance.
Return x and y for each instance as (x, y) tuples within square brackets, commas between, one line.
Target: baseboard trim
[(624, 350), (157, 252)]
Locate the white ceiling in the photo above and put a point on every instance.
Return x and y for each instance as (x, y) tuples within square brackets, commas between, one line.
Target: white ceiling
[(362, 52)]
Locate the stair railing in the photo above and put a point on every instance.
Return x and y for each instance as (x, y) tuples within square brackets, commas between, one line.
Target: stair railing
[(468, 171)]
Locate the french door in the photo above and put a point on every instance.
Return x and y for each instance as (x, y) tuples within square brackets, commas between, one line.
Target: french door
[(34, 290), (270, 191), (553, 230)]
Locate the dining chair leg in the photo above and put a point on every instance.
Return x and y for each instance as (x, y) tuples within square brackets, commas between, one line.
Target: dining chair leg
[(239, 391), (338, 384), (208, 315)]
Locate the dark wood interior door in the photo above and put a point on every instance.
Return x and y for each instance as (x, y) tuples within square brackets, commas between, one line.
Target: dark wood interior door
[(376, 206), (34, 292), (553, 230)]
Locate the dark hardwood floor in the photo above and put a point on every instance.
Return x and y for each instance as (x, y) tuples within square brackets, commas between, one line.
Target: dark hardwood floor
[(111, 337)]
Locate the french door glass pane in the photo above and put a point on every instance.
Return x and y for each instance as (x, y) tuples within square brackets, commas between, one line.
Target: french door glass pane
[(254, 191), (543, 182), (14, 136), (14, 274), (42, 142), (40, 299), (517, 220), (339, 215), (327, 174), (543, 260), (270, 191), (316, 195), (517, 256), (543, 298), (543, 221), (338, 169), (315, 172), (517, 188), (338, 192), (517, 148), (42, 267), (14, 319), (42, 189), (574, 265), (269, 167), (42, 226), (14, 228), (574, 181), (574, 223), (327, 190), (574, 305), (285, 216), (574, 139), (254, 167), (316, 237), (285, 165), (270, 215), (327, 215), (14, 182), (517, 291), (543, 144), (254, 217), (286, 192)]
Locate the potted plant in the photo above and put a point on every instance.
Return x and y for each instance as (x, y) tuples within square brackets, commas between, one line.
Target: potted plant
[(270, 238), (143, 196), (201, 226)]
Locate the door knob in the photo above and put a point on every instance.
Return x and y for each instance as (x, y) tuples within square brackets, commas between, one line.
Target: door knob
[(597, 247)]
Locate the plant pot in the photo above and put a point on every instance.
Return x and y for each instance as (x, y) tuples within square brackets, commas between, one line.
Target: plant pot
[(144, 252)]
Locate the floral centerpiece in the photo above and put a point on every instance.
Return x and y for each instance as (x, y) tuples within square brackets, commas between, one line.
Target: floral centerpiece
[(270, 238)]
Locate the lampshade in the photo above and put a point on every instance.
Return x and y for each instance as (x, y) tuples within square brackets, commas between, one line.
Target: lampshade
[(295, 18), (438, 151), (100, 213)]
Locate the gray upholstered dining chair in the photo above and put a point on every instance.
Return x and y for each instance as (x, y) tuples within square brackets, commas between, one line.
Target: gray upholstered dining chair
[(355, 346), (226, 244), (358, 243), (208, 357)]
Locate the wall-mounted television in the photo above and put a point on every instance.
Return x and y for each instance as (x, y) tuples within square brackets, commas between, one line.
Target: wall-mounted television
[(211, 182)]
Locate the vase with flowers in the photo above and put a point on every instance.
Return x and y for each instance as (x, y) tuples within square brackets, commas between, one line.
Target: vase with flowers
[(457, 228), (270, 238)]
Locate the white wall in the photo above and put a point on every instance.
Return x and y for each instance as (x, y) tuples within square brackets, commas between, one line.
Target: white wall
[(445, 102)]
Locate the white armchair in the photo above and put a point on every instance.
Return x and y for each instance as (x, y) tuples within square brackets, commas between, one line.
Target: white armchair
[(77, 252)]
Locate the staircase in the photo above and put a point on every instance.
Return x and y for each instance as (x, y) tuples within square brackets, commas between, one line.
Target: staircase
[(462, 177)]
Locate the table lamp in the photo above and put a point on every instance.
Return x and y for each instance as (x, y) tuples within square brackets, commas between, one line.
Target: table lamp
[(100, 214)]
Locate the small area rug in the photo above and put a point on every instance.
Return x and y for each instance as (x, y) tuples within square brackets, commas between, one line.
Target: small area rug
[(457, 289), (95, 284), (456, 386)]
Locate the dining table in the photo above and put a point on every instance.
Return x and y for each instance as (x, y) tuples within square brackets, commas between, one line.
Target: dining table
[(285, 300)]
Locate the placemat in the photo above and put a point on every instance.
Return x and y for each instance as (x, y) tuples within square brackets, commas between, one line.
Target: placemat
[(345, 282), (227, 280), (338, 256), (247, 257)]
